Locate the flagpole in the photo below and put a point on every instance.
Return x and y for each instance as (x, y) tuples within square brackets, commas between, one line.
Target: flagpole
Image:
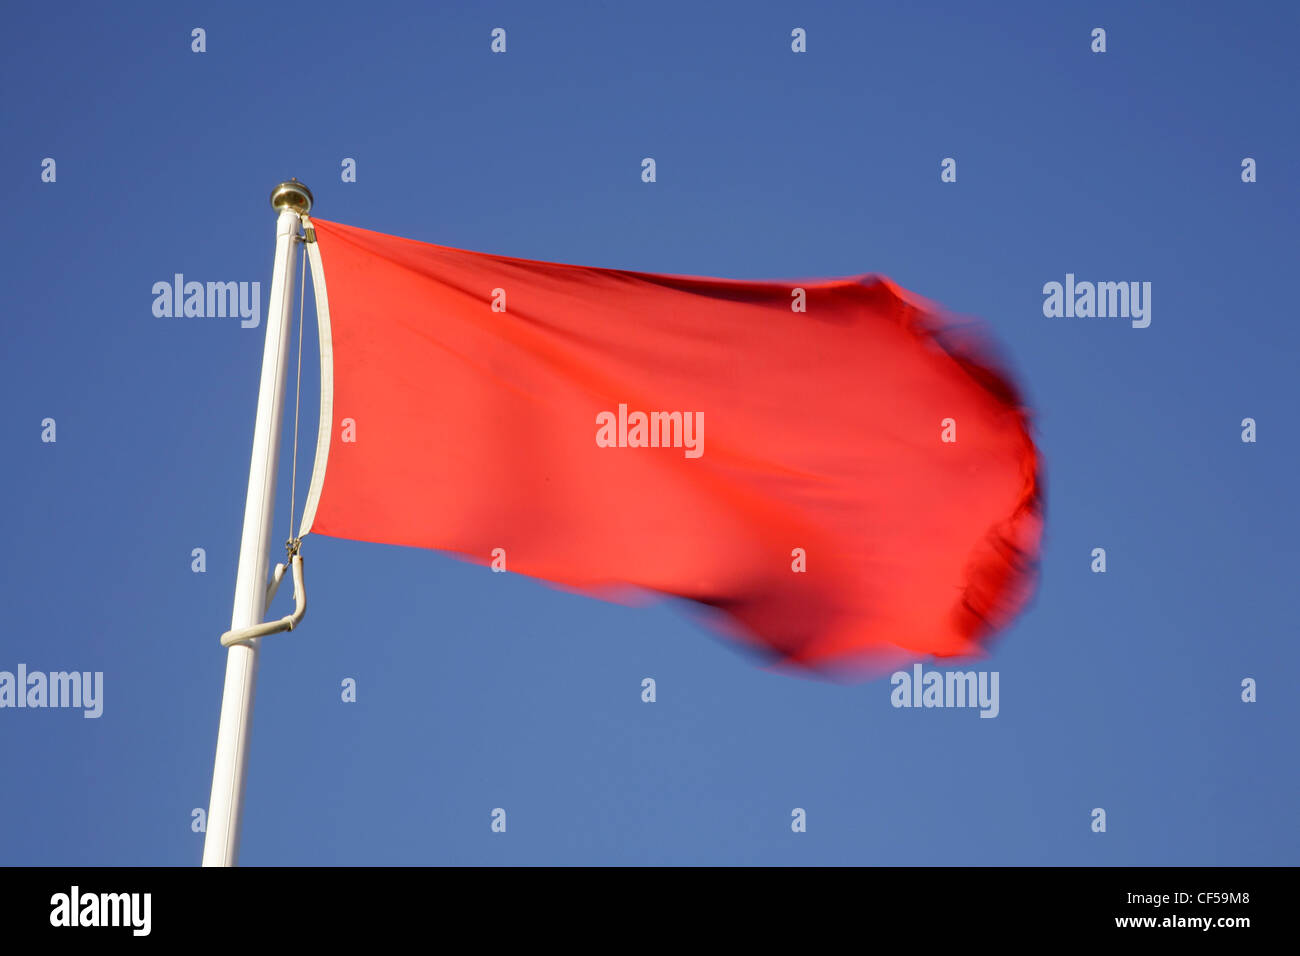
[(225, 807)]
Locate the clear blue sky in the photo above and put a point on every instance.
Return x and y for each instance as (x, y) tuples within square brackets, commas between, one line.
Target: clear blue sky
[(478, 690)]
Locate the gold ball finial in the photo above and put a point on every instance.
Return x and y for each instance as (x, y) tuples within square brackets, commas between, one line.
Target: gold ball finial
[(291, 194)]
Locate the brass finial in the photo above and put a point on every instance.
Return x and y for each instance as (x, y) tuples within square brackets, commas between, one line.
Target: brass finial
[(291, 194)]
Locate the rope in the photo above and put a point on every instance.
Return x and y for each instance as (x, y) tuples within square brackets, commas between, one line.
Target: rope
[(292, 544)]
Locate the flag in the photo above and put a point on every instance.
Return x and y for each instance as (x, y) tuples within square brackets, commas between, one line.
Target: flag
[(837, 474)]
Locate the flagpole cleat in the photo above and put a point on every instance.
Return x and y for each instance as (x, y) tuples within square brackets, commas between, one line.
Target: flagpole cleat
[(287, 623)]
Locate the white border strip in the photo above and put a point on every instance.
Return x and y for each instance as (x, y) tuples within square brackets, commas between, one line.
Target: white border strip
[(326, 425)]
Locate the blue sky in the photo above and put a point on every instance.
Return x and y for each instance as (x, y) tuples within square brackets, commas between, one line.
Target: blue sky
[(476, 691)]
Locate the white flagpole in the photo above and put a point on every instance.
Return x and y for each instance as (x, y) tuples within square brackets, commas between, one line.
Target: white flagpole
[(225, 808)]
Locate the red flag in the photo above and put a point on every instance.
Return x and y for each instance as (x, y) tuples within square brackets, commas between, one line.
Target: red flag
[(822, 462)]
